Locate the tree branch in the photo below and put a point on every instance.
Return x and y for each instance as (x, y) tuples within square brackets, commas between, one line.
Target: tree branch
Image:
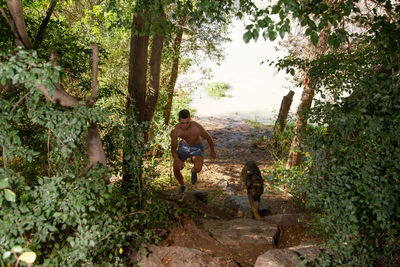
[(59, 96), (45, 22), (95, 149), (19, 101), (95, 82), (7, 18), (53, 58), (4, 159), (10, 22)]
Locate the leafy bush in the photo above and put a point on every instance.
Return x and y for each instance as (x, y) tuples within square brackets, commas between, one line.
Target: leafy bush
[(69, 221), (353, 178), (217, 89), (65, 218)]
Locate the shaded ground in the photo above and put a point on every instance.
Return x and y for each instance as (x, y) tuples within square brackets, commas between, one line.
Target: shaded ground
[(234, 145)]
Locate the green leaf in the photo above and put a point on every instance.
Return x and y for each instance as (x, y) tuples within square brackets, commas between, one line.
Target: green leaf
[(249, 27), (265, 35), (282, 32), (272, 35), (17, 249), (247, 36), (10, 195), (3, 183), (312, 24), (255, 35), (281, 15), (6, 254), (275, 9), (314, 38)]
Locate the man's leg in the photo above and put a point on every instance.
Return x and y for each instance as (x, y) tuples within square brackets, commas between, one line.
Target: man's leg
[(179, 177), (198, 165), (177, 173)]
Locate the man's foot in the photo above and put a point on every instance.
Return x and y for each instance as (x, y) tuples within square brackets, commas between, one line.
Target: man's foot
[(182, 189), (194, 176)]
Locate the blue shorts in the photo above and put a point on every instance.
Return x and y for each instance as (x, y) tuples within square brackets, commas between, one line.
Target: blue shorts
[(185, 151)]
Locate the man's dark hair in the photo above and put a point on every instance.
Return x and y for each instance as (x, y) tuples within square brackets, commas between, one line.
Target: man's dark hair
[(183, 114)]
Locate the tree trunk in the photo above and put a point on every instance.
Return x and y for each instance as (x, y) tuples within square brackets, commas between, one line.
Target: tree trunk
[(174, 71), (283, 113), (17, 24), (137, 70), (307, 96), (300, 126), (136, 98), (154, 85), (45, 22)]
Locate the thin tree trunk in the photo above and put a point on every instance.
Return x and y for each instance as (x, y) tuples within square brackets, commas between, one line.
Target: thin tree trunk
[(136, 98), (138, 70), (45, 22), (300, 126), (307, 96), (154, 85), (174, 71), (283, 113)]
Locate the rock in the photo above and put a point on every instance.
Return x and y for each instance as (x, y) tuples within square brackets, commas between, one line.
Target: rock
[(178, 256), (222, 183), (200, 195), (306, 250), (289, 257), (184, 236), (241, 206), (277, 258), (255, 236), (230, 191), (287, 219)]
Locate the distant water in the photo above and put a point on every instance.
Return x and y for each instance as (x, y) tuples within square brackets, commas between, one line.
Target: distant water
[(260, 106), (257, 90)]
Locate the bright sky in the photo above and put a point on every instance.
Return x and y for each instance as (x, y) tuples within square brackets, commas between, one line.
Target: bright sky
[(257, 90)]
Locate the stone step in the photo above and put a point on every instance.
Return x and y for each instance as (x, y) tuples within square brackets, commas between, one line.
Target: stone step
[(256, 236), (241, 207)]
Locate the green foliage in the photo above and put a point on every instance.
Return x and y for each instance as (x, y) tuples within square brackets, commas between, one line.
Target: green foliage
[(279, 144), (217, 89), (66, 219), (353, 178), (355, 173), (71, 220)]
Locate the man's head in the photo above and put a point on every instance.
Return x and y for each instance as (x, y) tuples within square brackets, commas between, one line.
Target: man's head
[(183, 114), (184, 118)]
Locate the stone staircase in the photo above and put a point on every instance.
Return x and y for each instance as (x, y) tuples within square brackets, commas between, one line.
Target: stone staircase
[(226, 237)]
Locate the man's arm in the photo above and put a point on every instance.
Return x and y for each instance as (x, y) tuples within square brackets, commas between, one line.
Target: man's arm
[(174, 145), (210, 141)]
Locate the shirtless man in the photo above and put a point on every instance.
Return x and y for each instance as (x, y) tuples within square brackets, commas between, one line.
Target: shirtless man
[(190, 146)]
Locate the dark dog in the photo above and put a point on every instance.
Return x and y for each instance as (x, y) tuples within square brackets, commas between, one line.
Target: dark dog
[(251, 178)]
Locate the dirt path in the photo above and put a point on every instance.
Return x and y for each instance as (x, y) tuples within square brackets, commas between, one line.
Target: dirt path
[(235, 144)]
